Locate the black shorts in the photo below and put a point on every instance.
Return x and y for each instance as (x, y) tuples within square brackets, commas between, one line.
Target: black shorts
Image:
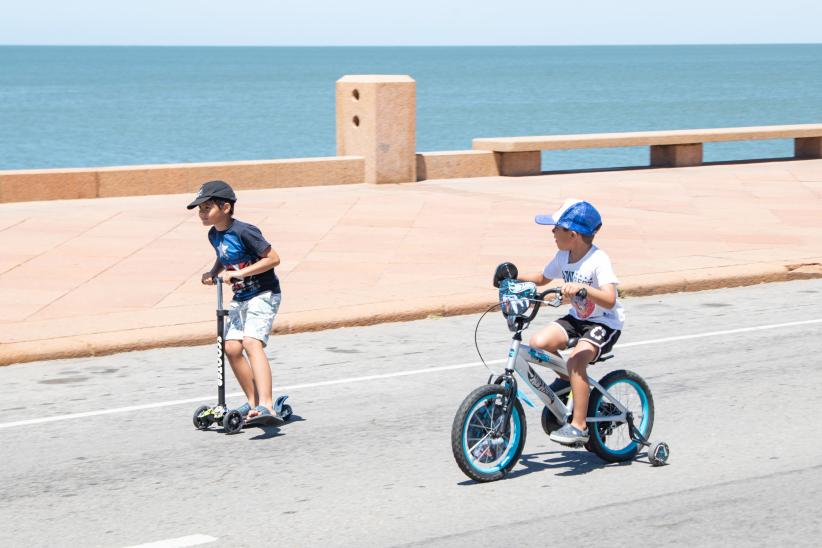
[(601, 336)]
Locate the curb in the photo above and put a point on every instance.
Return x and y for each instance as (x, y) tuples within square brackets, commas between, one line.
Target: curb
[(202, 333)]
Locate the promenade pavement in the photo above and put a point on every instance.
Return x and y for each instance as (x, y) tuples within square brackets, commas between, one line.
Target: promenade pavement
[(85, 277)]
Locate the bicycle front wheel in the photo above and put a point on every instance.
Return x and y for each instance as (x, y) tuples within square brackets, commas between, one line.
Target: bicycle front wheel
[(611, 440), (480, 448)]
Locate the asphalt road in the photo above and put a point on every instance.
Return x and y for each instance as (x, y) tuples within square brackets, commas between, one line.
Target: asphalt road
[(102, 452)]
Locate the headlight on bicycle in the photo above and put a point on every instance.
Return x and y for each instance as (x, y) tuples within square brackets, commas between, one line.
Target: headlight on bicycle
[(515, 297)]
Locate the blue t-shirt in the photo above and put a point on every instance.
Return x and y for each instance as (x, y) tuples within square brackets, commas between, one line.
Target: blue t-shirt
[(239, 246)]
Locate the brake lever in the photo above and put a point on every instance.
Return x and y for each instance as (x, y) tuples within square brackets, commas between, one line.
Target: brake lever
[(556, 302)]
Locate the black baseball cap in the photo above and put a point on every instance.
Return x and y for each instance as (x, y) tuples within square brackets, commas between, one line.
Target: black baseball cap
[(213, 189)]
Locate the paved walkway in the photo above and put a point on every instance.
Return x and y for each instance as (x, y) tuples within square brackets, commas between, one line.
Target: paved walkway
[(84, 277)]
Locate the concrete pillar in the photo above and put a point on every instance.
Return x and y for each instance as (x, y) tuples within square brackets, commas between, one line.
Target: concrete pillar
[(676, 155), (377, 119), (516, 164), (807, 147)]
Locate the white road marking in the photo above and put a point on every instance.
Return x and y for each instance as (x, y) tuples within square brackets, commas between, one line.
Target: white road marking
[(366, 378), (182, 542)]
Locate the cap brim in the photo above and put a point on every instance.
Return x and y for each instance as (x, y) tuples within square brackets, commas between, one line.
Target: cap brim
[(198, 201), (545, 220)]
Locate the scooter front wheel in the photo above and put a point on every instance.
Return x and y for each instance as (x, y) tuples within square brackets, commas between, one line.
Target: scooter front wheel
[(482, 451), (201, 422), (233, 422)]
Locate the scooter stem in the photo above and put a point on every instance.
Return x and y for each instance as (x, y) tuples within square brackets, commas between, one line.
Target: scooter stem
[(218, 281)]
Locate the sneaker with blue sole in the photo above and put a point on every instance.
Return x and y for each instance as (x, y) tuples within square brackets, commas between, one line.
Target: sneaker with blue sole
[(569, 434)]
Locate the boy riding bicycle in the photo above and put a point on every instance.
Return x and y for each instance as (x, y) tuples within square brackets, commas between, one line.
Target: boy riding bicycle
[(596, 320)]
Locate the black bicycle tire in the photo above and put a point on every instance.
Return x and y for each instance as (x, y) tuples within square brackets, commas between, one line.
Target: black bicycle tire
[(459, 424), (594, 441)]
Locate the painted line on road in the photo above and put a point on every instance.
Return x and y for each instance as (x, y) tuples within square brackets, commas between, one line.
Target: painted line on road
[(719, 333), (182, 542), (366, 378), (42, 420)]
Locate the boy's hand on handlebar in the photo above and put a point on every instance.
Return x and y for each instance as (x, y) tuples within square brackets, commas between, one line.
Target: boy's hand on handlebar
[(229, 277), (207, 279), (570, 290)]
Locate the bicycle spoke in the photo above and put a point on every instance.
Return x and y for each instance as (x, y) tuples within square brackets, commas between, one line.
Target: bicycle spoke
[(471, 449), (616, 435)]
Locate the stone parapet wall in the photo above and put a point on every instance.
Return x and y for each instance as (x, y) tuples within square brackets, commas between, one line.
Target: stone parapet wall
[(457, 164), (103, 182)]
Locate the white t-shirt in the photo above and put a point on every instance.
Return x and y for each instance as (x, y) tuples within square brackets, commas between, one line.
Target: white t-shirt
[(593, 269)]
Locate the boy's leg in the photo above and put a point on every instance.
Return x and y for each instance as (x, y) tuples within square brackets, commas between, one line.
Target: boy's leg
[(583, 354), (234, 350), (550, 338), (242, 370), (262, 310), (261, 370)]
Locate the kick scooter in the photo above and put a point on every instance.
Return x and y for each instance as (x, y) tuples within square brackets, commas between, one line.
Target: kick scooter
[(232, 420)]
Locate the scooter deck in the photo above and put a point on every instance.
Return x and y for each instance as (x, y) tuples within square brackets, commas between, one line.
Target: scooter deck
[(263, 420)]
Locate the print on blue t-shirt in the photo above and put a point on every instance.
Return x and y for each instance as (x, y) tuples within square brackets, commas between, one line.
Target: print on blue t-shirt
[(238, 247)]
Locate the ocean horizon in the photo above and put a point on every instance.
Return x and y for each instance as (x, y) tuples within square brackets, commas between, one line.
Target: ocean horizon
[(88, 106)]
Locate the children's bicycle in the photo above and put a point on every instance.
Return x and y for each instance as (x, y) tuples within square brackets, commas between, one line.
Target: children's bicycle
[(489, 429)]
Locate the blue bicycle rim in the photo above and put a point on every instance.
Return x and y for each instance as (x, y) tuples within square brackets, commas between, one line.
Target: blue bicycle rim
[(510, 449), (641, 427)]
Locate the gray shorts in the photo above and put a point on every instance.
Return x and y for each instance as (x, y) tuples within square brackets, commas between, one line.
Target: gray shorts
[(252, 318)]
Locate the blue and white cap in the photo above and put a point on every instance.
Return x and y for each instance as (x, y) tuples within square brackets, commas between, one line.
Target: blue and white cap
[(576, 215)]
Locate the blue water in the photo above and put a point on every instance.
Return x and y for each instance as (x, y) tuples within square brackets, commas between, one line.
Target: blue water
[(98, 106)]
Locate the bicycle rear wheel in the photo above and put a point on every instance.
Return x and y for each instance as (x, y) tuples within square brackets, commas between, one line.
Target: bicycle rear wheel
[(612, 440), (480, 451)]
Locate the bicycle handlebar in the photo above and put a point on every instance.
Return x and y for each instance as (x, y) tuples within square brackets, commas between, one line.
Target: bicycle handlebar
[(540, 299)]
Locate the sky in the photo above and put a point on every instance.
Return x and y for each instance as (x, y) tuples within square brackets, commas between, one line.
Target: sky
[(414, 22)]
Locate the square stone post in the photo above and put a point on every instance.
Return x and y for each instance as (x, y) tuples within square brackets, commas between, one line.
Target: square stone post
[(807, 147), (377, 119), (676, 155)]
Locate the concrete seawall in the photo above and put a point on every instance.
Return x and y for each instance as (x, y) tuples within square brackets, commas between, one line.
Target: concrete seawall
[(107, 182)]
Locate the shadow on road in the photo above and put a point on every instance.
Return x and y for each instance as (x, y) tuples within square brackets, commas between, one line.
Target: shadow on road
[(575, 463), (564, 463), (273, 430)]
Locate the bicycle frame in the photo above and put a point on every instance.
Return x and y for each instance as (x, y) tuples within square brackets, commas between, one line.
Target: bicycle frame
[(521, 357)]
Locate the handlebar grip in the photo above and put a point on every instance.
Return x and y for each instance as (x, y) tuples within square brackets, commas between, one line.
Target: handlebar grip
[(582, 293)]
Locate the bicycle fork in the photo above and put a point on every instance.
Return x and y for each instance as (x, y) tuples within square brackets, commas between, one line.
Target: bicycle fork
[(509, 383)]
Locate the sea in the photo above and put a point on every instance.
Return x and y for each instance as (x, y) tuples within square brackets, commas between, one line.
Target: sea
[(112, 106)]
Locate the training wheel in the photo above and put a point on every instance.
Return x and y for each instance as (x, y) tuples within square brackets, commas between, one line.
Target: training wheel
[(201, 423), (233, 422), (286, 412), (658, 453)]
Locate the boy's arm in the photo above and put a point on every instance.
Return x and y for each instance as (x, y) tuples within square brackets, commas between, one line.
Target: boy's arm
[(538, 279), (216, 269), (604, 296), (269, 260)]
